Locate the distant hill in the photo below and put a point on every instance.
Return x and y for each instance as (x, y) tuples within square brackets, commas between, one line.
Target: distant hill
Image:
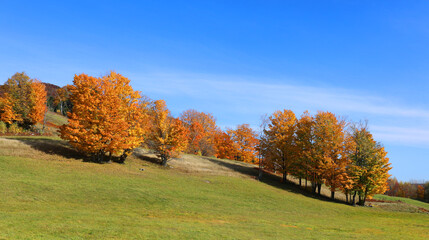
[(50, 89)]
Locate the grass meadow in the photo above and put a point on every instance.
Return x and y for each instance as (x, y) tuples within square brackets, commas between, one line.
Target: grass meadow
[(48, 192)]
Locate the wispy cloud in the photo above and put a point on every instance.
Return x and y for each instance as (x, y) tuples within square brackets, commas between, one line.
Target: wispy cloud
[(237, 100), (411, 136), (244, 96)]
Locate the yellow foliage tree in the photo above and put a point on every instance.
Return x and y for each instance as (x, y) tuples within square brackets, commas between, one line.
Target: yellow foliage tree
[(24, 100), (246, 141), (369, 166), (168, 136)]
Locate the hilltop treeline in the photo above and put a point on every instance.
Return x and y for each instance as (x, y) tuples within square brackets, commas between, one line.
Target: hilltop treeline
[(108, 119), (415, 190)]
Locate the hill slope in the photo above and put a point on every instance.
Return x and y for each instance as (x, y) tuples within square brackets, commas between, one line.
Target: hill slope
[(49, 193)]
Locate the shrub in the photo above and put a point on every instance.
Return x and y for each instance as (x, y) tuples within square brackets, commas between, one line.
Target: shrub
[(3, 127), (14, 128)]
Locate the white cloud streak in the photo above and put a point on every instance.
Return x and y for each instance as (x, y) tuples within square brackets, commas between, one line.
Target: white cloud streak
[(250, 99)]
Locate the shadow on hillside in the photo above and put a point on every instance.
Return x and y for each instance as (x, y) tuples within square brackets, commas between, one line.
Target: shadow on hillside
[(273, 180), (53, 147), (236, 167), (143, 157)]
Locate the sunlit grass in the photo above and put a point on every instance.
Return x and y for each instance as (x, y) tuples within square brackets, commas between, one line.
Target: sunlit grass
[(47, 196), (405, 200)]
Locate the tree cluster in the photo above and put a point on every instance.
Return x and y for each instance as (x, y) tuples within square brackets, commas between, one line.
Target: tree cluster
[(207, 139), (22, 101), (415, 190), (325, 149), (108, 119)]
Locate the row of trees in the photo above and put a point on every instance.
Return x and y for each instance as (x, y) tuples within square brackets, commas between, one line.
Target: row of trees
[(415, 190), (325, 149), (109, 119), (22, 101)]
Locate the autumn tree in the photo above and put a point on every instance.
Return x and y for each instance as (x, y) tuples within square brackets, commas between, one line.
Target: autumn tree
[(167, 135), (7, 114), (38, 99), (23, 100), (262, 146), (224, 145), (330, 156), (305, 163), (62, 100), (246, 140), (202, 128), (279, 142), (19, 89), (369, 165), (107, 118), (196, 134)]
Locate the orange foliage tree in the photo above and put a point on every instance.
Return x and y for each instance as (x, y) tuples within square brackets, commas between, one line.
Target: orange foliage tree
[(167, 135), (305, 148), (7, 114), (107, 116), (225, 147), (202, 128), (331, 154), (280, 148), (246, 141), (38, 97)]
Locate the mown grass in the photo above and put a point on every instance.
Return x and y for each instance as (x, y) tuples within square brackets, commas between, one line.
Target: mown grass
[(46, 196)]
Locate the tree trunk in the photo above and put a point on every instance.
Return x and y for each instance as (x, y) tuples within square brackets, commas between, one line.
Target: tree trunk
[(354, 199), (164, 160), (284, 177), (364, 197), (260, 174), (319, 187), (299, 181), (110, 157), (99, 156), (313, 187), (332, 194), (124, 155)]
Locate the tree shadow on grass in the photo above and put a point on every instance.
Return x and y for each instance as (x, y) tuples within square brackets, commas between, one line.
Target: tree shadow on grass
[(53, 147), (273, 180), (143, 157)]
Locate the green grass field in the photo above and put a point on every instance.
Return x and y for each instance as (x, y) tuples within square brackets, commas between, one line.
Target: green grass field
[(48, 195)]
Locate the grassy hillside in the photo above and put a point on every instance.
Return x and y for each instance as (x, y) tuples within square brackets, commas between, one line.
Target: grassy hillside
[(49, 193), (411, 202), (53, 122)]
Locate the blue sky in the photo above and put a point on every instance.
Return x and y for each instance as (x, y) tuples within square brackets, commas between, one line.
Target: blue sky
[(242, 59)]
